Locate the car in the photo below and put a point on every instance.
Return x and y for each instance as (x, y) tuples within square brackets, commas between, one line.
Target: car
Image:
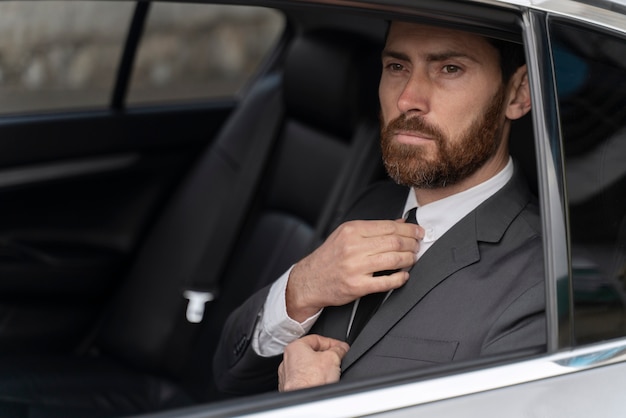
[(162, 161)]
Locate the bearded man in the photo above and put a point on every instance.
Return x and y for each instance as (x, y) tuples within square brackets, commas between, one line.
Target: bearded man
[(460, 279)]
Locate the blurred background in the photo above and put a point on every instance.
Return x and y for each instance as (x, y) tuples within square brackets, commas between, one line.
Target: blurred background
[(56, 55)]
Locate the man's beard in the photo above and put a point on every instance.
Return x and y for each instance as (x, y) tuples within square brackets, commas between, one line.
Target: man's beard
[(453, 161)]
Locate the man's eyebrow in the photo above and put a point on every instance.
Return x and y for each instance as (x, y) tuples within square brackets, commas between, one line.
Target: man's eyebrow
[(431, 57), (394, 54), (446, 55)]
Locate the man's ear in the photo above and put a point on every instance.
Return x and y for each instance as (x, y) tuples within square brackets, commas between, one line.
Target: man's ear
[(519, 94)]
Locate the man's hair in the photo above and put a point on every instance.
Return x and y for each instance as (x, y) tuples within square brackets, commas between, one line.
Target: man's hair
[(511, 57)]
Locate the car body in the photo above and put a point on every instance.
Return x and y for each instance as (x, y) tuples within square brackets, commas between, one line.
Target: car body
[(86, 185)]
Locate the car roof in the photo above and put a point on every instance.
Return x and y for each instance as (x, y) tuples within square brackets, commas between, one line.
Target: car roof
[(498, 18)]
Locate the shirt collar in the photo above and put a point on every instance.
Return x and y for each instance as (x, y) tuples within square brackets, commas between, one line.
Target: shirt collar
[(438, 217)]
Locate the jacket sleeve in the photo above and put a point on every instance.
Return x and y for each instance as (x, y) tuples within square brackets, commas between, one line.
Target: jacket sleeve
[(238, 370), (522, 327)]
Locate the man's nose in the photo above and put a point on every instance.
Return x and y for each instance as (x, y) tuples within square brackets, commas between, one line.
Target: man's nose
[(415, 96)]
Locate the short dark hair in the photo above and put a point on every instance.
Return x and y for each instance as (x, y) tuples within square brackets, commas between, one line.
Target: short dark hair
[(511, 54), (511, 57)]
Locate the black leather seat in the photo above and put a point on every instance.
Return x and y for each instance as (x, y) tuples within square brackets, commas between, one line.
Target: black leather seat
[(145, 356)]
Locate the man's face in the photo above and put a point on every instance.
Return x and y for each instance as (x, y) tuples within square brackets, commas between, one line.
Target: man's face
[(442, 105)]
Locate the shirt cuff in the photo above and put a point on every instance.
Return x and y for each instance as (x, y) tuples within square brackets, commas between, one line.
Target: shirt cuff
[(274, 328)]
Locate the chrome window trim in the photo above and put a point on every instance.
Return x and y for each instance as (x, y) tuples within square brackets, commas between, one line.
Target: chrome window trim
[(432, 390), (552, 181), (580, 12)]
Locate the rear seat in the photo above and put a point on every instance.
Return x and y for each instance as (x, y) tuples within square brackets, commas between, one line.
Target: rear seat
[(327, 153), (145, 356)]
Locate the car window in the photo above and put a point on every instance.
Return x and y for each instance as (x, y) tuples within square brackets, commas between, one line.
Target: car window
[(59, 54), (590, 68), (192, 51)]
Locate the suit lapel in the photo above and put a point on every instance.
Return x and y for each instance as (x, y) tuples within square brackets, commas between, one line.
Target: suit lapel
[(335, 322), (444, 258), (455, 250)]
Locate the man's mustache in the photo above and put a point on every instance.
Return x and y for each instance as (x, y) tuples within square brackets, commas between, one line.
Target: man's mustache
[(415, 124)]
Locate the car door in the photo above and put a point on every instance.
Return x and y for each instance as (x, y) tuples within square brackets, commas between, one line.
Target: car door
[(576, 70), (103, 107)]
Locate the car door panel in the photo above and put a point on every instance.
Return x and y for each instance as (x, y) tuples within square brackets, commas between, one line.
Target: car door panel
[(78, 191)]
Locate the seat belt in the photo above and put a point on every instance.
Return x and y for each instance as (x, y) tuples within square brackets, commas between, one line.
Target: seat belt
[(356, 174), (203, 286)]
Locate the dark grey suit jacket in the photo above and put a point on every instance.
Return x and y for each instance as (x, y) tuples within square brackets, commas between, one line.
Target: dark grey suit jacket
[(478, 291)]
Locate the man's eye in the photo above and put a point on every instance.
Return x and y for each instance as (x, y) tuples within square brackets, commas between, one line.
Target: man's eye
[(395, 67), (451, 69)]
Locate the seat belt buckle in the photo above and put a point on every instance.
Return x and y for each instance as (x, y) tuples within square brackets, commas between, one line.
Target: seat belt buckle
[(196, 303)]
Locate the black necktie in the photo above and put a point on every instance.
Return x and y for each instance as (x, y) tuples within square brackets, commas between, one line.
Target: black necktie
[(369, 304)]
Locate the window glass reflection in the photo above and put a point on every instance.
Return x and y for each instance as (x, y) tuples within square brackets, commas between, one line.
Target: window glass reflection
[(590, 71)]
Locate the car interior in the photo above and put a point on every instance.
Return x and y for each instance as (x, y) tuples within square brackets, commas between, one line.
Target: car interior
[(298, 147), (218, 200)]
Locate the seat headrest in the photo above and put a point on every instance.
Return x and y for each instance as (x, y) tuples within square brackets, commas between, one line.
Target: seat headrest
[(331, 79)]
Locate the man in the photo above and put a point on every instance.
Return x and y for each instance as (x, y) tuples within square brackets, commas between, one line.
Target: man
[(467, 282)]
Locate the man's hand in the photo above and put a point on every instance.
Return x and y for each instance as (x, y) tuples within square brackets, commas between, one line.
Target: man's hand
[(341, 269), (312, 360)]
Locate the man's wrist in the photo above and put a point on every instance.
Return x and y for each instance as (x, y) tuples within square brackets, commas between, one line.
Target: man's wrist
[(296, 305), (275, 329)]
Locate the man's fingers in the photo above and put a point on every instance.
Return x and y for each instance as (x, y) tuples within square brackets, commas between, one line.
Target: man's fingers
[(390, 243), (311, 361), (340, 270), (387, 280), (381, 237), (320, 343), (340, 349), (316, 342), (368, 229)]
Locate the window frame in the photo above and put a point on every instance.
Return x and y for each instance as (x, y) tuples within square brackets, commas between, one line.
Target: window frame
[(551, 174)]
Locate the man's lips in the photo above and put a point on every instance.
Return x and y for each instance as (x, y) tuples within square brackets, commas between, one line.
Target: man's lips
[(412, 136)]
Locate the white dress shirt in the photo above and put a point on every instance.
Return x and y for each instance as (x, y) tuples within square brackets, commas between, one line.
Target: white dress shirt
[(275, 329)]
